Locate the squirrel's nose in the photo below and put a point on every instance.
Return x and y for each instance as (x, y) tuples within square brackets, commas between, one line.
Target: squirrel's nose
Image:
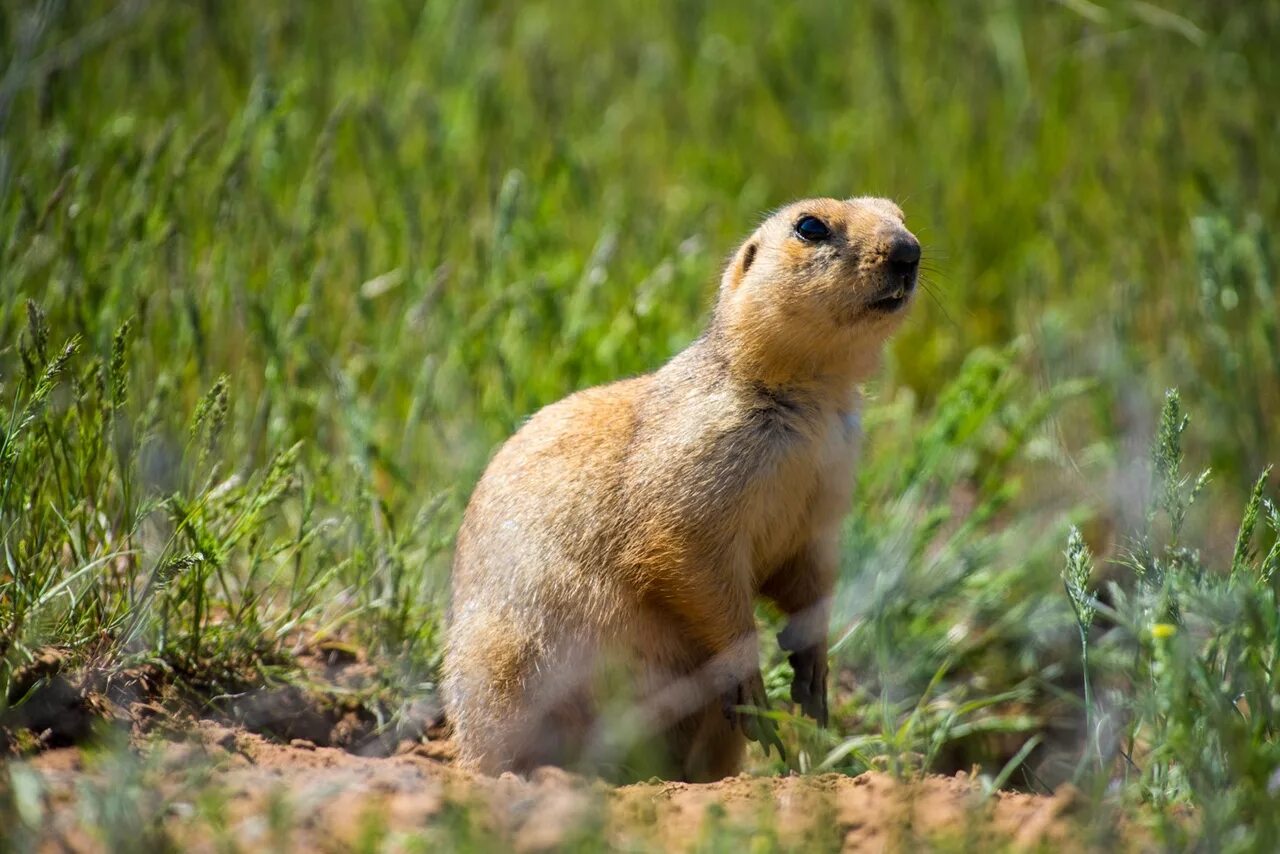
[(904, 253)]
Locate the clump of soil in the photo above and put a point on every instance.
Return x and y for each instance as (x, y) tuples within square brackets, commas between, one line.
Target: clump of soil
[(50, 704)]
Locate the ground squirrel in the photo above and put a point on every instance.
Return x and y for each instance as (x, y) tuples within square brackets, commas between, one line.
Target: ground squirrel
[(615, 545)]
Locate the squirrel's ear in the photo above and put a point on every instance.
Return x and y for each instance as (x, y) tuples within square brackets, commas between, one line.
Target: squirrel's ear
[(741, 264)]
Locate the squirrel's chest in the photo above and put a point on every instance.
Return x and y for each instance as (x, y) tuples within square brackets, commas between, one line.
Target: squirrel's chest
[(758, 483), (800, 490)]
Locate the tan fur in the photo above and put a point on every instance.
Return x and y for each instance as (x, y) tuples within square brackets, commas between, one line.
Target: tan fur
[(632, 525)]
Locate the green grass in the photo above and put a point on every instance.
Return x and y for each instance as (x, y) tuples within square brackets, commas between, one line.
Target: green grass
[(278, 277)]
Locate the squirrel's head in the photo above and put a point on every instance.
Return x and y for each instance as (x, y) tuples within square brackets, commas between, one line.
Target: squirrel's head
[(819, 286)]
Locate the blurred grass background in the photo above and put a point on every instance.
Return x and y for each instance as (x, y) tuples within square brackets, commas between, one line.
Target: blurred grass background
[(470, 210), (320, 258)]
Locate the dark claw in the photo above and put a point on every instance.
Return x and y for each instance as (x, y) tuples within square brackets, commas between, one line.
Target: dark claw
[(809, 685), (768, 736), (742, 706)]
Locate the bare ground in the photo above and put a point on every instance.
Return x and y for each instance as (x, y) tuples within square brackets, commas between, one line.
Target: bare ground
[(334, 800), (285, 768)]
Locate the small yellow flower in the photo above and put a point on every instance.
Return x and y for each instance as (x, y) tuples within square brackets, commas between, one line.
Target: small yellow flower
[(1163, 631)]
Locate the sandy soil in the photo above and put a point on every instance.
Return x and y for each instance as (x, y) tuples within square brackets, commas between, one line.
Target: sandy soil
[(334, 796), (292, 769)]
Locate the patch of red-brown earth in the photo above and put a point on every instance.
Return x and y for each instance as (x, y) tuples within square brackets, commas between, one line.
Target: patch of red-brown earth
[(289, 771), (332, 797)]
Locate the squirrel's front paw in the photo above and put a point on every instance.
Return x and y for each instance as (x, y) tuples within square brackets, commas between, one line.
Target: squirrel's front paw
[(809, 685), (745, 705), (807, 647)]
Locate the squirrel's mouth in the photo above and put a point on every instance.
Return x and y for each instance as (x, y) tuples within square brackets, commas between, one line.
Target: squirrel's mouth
[(892, 301), (894, 297), (891, 304)]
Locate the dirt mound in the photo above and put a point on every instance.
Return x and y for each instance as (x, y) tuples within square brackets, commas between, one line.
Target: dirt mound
[(327, 702), (337, 799)]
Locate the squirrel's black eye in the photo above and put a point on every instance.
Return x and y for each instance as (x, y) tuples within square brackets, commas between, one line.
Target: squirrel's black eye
[(812, 229)]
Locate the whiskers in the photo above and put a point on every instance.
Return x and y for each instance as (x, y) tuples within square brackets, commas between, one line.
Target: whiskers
[(932, 278)]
